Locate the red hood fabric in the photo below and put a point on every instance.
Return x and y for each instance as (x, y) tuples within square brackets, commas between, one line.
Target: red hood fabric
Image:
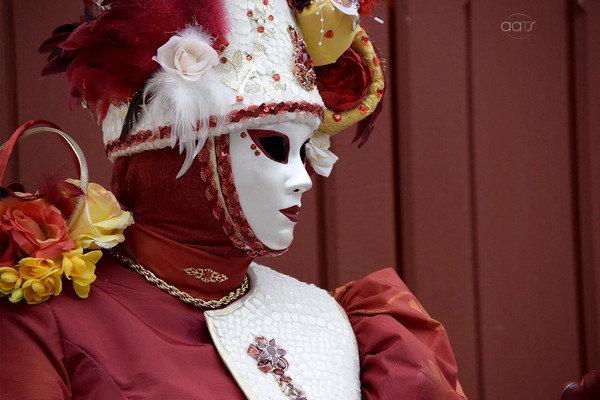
[(177, 209)]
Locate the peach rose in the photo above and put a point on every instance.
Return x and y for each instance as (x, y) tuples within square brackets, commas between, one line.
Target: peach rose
[(101, 221), (38, 229)]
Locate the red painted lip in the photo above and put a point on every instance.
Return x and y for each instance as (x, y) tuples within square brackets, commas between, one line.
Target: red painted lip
[(291, 213)]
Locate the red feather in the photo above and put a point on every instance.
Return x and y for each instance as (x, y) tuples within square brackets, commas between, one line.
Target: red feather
[(109, 58)]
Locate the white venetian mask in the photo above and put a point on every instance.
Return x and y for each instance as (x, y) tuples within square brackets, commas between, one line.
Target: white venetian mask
[(268, 166)]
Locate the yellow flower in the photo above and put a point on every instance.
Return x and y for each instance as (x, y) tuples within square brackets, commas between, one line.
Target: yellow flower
[(80, 268), (37, 290), (9, 280), (100, 221), (37, 268)]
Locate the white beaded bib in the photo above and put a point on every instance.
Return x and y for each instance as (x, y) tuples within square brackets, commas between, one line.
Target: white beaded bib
[(321, 354)]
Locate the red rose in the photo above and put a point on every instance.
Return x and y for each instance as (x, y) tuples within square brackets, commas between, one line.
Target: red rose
[(37, 228), (7, 255), (344, 84)]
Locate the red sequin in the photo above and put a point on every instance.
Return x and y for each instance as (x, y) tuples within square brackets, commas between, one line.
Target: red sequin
[(364, 40), (329, 34), (337, 117), (253, 111)]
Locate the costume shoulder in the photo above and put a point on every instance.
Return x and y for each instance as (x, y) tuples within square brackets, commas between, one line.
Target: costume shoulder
[(403, 351)]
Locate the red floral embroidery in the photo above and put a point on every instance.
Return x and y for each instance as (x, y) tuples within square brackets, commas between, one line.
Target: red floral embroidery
[(238, 219)]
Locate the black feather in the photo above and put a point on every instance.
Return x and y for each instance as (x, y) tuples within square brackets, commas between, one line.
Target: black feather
[(135, 107)]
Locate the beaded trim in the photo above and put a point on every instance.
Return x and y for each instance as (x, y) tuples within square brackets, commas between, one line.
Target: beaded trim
[(209, 176), (250, 112), (232, 200), (173, 291), (271, 359)]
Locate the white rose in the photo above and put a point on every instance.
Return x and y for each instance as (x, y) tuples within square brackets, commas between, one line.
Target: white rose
[(188, 57), (100, 222), (318, 153)]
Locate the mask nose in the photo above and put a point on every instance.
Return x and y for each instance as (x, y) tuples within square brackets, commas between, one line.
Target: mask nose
[(299, 181)]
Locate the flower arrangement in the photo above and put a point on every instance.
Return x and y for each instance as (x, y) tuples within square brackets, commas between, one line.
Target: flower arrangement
[(45, 237)]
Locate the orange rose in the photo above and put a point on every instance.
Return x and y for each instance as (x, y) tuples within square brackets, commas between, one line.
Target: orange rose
[(38, 229)]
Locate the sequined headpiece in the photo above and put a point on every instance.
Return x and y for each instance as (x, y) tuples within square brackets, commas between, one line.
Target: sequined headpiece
[(166, 73)]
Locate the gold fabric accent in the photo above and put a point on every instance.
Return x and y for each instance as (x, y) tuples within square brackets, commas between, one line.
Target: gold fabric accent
[(206, 275)]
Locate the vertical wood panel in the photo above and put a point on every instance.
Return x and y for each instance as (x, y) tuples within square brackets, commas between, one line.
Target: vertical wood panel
[(587, 97), (359, 195), (8, 107), (524, 209), (434, 174)]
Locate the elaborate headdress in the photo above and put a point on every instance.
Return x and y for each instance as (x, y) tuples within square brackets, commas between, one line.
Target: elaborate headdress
[(161, 73)]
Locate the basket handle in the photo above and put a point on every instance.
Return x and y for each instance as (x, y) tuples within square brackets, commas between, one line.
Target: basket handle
[(30, 128)]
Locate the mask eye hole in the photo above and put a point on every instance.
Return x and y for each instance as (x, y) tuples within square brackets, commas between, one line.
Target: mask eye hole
[(273, 144), (303, 152)]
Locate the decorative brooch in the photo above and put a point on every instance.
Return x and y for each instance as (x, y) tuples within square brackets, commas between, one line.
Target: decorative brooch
[(271, 359)]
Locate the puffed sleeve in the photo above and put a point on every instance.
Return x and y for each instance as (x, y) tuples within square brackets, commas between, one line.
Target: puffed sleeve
[(31, 354), (404, 353)]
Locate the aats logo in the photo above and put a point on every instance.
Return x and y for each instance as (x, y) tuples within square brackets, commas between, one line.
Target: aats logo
[(518, 26)]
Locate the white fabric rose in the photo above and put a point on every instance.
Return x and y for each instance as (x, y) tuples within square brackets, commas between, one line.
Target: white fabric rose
[(318, 153), (100, 222), (188, 57)]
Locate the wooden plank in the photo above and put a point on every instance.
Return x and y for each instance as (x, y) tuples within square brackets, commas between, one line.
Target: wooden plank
[(8, 121), (587, 96), (524, 203), (435, 189)]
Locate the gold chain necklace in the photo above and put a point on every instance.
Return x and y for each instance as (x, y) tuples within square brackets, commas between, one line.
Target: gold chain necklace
[(172, 290)]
